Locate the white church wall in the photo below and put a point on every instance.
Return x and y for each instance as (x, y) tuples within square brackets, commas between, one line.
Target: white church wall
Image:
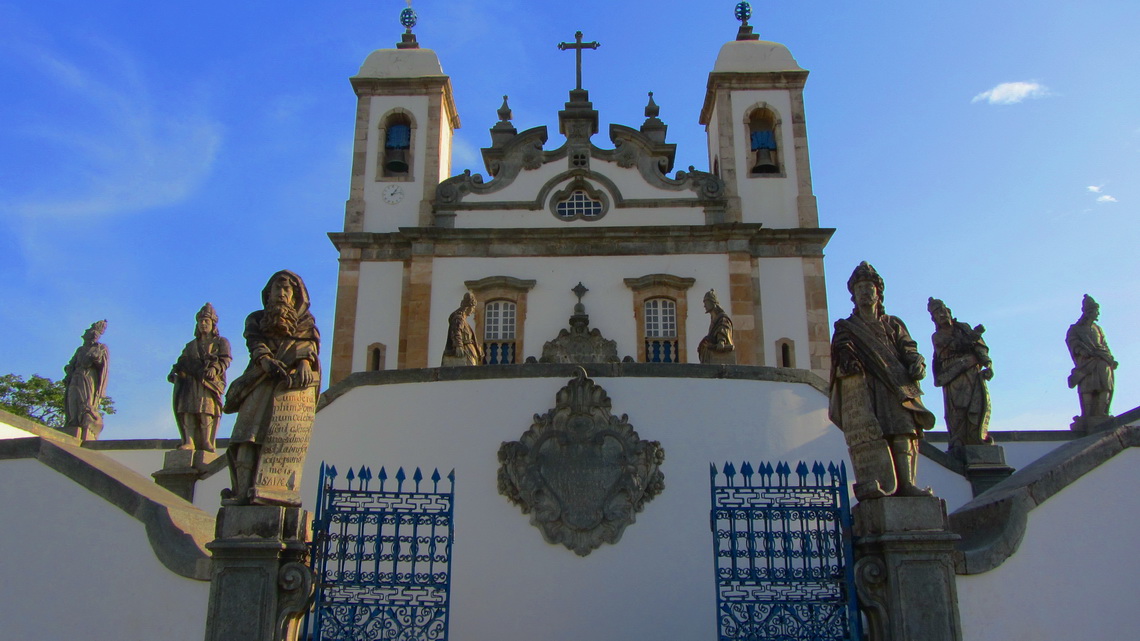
[(1018, 454), (615, 217), (949, 486), (550, 303), (77, 567), (767, 200), (379, 215), (783, 302), (523, 188), (1072, 577), (658, 581), (145, 462), (9, 431), (378, 312)]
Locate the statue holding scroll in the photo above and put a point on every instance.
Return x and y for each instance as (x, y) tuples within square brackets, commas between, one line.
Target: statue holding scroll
[(275, 398), (962, 366), (875, 397), (199, 377)]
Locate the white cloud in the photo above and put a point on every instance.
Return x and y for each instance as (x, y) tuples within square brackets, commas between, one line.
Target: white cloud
[(125, 149), (1106, 199), (1095, 188), (1010, 93)]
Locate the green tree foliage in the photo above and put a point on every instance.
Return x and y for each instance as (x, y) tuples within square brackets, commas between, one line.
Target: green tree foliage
[(39, 398)]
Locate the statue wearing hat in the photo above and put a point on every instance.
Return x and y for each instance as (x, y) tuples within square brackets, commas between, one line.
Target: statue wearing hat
[(1093, 366), (199, 377)]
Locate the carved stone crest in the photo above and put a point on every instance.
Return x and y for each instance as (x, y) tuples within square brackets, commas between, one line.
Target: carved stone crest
[(579, 471)]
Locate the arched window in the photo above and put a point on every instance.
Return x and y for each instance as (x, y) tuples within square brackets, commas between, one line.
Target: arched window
[(659, 309), (396, 159), (579, 205), (762, 142), (786, 352), (661, 331), (499, 321), (376, 354)]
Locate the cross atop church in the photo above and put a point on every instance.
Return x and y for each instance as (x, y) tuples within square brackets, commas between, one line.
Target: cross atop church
[(578, 46)]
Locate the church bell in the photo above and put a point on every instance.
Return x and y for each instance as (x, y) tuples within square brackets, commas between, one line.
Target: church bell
[(765, 163), (396, 161)]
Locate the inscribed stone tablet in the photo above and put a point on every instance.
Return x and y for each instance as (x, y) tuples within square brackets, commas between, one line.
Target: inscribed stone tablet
[(285, 446)]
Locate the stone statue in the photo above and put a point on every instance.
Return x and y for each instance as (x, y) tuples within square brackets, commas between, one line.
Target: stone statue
[(961, 368), (1093, 365), (717, 346), (875, 397), (275, 398), (85, 384), (199, 377), (462, 348)]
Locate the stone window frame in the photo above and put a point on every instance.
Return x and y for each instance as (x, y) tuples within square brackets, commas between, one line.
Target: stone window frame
[(661, 286), (381, 149), (790, 346), (777, 132), (578, 184), (375, 357), (501, 288)]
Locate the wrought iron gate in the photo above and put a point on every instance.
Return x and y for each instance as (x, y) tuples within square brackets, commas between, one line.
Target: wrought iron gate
[(783, 553), (382, 558)]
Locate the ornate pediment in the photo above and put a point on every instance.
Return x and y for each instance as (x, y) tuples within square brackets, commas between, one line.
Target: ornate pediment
[(581, 473)]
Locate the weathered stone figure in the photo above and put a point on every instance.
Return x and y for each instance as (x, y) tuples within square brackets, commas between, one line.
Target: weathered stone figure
[(199, 377), (275, 398), (1093, 364), (962, 366), (462, 348), (85, 384), (717, 346), (875, 397)]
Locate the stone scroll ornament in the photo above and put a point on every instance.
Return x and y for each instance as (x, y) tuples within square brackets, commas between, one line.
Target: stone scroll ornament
[(581, 473), (275, 398)]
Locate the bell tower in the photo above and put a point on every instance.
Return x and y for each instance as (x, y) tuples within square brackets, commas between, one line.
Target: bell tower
[(405, 116), (757, 135)]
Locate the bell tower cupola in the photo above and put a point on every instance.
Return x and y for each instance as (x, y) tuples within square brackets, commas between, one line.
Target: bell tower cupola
[(757, 134)]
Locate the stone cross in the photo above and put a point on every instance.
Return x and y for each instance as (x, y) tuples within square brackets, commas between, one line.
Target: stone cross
[(578, 46)]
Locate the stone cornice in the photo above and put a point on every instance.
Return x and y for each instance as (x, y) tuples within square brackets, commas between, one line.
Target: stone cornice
[(585, 240), (410, 86), (735, 81)]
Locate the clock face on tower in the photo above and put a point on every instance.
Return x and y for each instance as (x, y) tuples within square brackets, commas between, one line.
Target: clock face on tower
[(392, 194)]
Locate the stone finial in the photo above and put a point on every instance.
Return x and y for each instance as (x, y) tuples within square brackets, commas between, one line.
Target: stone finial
[(408, 19), (503, 131), (653, 127), (579, 291), (651, 109), (505, 112), (743, 12)]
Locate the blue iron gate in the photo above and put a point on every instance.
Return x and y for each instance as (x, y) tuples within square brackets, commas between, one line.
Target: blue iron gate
[(783, 553), (382, 558)]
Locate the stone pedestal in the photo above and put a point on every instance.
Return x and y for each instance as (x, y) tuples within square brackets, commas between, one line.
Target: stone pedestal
[(260, 586), (904, 573), (181, 469), (985, 465), (1089, 424)]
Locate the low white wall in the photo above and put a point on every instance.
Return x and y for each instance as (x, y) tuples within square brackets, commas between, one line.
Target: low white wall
[(1074, 575), (8, 431), (77, 567), (507, 582)]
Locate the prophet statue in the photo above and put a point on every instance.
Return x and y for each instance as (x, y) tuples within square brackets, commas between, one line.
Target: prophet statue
[(275, 398), (85, 384), (462, 348), (717, 347), (875, 395), (962, 366), (199, 377), (1093, 364)]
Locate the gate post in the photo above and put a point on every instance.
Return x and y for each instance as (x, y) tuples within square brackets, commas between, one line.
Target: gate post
[(260, 586), (905, 569)]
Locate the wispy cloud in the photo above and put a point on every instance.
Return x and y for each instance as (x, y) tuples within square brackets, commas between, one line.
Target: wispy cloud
[(1106, 199), (1011, 93), (124, 149), (1095, 188)]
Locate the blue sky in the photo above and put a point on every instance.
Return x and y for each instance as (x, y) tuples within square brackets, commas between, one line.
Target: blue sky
[(158, 155)]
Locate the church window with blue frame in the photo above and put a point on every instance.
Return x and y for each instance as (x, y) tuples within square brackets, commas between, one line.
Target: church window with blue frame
[(661, 344), (499, 323)]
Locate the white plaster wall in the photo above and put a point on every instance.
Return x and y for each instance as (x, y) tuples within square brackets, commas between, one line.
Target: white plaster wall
[(507, 582), (145, 462), (378, 311), (771, 201), (550, 303), (9, 431), (77, 567), (951, 487), (783, 304), (378, 215), (1018, 454), (1075, 575), (615, 217)]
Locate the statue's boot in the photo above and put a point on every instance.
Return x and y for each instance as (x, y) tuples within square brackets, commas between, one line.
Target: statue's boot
[(207, 430), (905, 453), (241, 473)]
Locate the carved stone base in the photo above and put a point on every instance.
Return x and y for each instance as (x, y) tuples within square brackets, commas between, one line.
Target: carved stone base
[(904, 573), (260, 585), (181, 469), (1089, 424), (985, 465)]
